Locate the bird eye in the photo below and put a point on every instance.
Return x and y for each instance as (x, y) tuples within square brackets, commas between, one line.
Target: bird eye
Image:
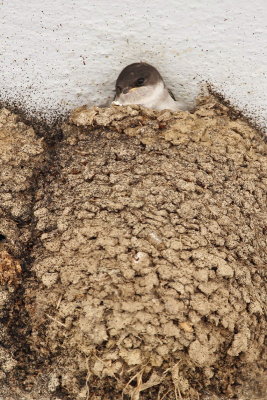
[(140, 82)]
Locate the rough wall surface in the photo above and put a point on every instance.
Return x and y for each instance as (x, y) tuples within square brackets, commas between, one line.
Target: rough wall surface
[(143, 261), (59, 54)]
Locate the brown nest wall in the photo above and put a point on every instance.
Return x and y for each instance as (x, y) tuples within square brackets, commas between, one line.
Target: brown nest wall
[(142, 241)]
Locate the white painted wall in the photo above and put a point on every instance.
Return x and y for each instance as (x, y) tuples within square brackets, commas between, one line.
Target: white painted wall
[(56, 54)]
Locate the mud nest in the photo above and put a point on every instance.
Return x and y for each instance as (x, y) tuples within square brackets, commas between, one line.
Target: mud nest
[(142, 237)]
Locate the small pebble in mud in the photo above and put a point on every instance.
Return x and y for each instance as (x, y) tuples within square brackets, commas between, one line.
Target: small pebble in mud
[(141, 260), (156, 240)]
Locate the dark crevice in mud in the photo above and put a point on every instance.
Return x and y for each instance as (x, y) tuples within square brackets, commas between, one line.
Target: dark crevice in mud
[(16, 319), (18, 329), (62, 394)]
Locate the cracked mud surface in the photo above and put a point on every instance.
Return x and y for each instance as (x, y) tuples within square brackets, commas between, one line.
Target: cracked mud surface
[(142, 241)]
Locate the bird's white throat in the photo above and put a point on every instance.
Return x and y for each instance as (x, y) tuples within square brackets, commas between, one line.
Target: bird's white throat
[(155, 97)]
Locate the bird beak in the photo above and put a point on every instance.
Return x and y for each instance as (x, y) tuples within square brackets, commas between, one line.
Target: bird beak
[(127, 89)]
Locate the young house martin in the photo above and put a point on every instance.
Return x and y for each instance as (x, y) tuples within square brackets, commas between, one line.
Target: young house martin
[(141, 83)]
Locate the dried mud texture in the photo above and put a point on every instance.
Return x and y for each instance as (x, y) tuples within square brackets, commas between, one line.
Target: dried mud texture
[(21, 157), (10, 270), (148, 258), (21, 154)]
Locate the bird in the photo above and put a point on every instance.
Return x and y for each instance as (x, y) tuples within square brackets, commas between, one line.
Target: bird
[(141, 83)]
